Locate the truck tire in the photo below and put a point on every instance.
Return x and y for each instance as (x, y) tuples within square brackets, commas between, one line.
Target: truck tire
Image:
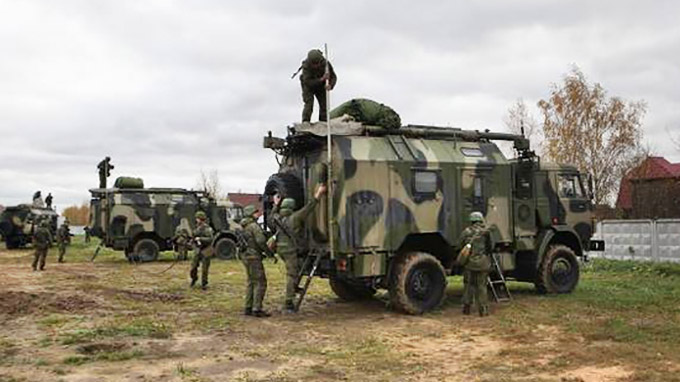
[(559, 271), (417, 284), (350, 291), (145, 250), (225, 249), (13, 242), (287, 185)]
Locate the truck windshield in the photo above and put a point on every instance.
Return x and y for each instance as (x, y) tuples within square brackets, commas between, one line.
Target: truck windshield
[(570, 186)]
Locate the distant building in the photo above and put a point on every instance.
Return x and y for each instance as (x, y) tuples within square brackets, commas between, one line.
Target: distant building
[(651, 190), (245, 199)]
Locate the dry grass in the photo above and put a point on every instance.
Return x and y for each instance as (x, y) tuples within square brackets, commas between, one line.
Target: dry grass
[(110, 320)]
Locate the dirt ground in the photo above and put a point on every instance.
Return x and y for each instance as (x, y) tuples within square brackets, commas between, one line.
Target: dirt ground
[(113, 321)]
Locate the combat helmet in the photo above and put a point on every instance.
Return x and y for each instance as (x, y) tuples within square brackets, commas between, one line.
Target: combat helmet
[(249, 210), (315, 56), (288, 204), (200, 215), (476, 217)]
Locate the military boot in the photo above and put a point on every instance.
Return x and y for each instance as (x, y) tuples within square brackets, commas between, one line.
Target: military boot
[(289, 307), (261, 313), (466, 309), (483, 311), (193, 282), (248, 311)]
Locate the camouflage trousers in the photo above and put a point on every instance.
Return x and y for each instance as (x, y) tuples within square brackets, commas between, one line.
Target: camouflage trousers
[(204, 261), (474, 284), (182, 252), (257, 282), (62, 252), (292, 265), (39, 257), (308, 95)]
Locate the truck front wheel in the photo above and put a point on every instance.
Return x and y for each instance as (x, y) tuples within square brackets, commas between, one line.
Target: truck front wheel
[(350, 291), (417, 284), (225, 249), (559, 271), (146, 250)]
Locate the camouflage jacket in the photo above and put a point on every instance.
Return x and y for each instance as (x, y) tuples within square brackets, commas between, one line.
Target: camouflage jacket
[(311, 76), (203, 235), (257, 241), (479, 237), (182, 236), (63, 235), (288, 236), (42, 238)]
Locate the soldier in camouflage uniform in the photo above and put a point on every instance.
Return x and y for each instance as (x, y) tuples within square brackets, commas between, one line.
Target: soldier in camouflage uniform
[(42, 240), (63, 239), (252, 260), (477, 264), (203, 237), (104, 168), (313, 82), (182, 240), (289, 226)]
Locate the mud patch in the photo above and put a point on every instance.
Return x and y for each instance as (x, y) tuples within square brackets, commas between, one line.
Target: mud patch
[(100, 347), (145, 296), (23, 303)]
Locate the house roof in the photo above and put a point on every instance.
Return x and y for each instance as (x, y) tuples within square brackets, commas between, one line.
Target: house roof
[(244, 199), (651, 168)]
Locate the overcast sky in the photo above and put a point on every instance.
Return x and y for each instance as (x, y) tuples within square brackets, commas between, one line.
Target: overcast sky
[(170, 88)]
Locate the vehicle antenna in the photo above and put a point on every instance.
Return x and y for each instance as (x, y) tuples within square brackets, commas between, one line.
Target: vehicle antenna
[(329, 177)]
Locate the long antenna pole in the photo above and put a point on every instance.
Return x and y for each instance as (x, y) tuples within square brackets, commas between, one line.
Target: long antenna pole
[(329, 176)]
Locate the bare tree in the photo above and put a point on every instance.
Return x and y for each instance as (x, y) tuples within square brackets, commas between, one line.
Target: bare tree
[(600, 135), (210, 184), (519, 120), (675, 138)]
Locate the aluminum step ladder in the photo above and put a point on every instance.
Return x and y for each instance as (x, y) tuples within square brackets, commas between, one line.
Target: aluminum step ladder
[(305, 276), (496, 282)]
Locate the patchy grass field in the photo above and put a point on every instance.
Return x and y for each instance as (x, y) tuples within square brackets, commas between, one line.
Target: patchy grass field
[(114, 321)]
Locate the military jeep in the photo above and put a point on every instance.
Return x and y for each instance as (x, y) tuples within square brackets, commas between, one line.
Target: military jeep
[(17, 224), (142, 221), (400, 199)]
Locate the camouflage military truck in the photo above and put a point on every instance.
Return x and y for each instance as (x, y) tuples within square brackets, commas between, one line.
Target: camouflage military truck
[(400, 201), (17, 223), (142, 221)]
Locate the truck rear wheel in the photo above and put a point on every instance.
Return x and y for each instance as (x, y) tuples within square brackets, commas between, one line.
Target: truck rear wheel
[(287, 185), (559, 271), (146, 250), (350, 291), (225, 249), (417, 284)]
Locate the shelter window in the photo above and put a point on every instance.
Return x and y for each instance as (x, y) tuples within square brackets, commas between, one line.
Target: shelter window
[(425, 182), (472, 152), (478, 187), (570, 186)]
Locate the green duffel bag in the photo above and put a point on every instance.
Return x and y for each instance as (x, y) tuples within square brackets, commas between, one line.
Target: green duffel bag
[(368, 112), (128, 182)]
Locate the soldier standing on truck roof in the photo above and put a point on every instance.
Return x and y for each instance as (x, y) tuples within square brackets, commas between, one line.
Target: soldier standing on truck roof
[(252, 260), (182, 241), (63, 239), (203, 237), (313, 82), (105, 168), (289, 227), (48, 201), (42, 240), (477, 264)]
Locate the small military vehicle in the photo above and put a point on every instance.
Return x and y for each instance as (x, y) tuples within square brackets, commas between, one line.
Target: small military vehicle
[(400, 199), (17, 223), (142, 221)]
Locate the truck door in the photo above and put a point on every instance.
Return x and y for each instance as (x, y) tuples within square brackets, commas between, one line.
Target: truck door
[(524, 206), (486, 190), (576, 204)]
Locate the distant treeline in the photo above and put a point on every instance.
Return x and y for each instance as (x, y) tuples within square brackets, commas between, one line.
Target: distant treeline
[(77, 215)]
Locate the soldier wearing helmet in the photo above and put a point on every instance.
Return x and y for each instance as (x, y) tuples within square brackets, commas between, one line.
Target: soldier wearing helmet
[(203, 237), (477, 245), (42, 240), (104, 168), (313, 82), (289, 226), (252, 260), (63, 239)]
